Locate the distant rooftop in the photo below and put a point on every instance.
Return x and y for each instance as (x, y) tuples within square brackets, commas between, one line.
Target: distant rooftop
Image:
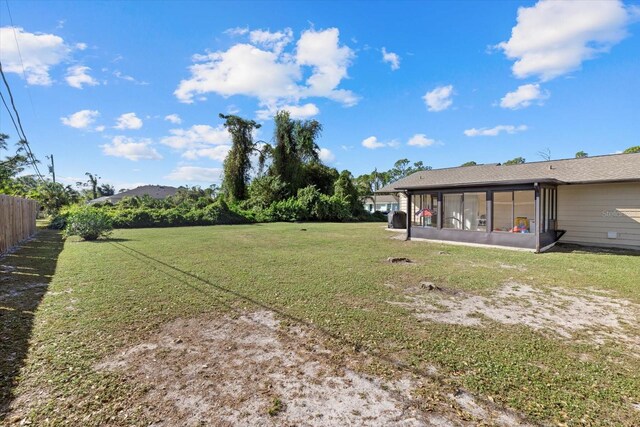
[(382, 198), (608, 168), (154, 191)]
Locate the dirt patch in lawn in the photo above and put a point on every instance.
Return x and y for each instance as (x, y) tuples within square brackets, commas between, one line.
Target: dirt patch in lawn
[(569, 314), (250, 370)]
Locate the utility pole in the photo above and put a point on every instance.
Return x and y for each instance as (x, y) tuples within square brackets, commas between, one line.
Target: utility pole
[(52, 168)]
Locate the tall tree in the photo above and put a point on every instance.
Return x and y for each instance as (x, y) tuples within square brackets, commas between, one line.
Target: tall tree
[(10, 166), (306, 134), (580, 154), (92, 183), (402, 168), (545, 154), (516, 161), (237, 164), (321, 176), (106, 190), (295, 148), (345, 188), (286, 160)]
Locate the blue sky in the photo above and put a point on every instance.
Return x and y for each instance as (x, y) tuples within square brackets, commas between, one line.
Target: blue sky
[(132, 90)]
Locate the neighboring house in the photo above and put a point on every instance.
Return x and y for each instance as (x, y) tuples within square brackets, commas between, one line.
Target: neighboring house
[(382, 203), (154, 191), (589, 201)]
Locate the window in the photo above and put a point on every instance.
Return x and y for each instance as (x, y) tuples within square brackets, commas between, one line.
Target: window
[(453, 211), (465, 211), (475, 211), (502, 211), (514, 211), (524, 209), (425, 210)]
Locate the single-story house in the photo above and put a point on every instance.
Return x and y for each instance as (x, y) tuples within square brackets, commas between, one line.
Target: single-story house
[(153, 191), (381, 203), (590, 201)]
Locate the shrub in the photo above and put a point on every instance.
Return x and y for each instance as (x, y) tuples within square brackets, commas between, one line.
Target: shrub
[(88, 223), (288, 210), (58, 222)]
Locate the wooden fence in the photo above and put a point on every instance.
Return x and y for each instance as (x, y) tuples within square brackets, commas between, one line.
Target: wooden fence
[(17, 220)]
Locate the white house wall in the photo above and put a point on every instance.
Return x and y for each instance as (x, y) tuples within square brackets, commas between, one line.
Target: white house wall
[(600, 214)]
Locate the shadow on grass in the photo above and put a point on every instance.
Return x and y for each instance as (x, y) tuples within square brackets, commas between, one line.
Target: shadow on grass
[(108, 240), (572, 248), (24, 278)]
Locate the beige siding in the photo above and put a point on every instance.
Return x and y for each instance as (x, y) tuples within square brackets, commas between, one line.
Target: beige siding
[(403, 202), (589, 212)]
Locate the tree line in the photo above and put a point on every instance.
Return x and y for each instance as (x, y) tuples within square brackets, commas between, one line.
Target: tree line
[(281, 180)]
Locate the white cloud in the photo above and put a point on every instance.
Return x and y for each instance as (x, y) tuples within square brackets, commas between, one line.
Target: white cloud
[(218, 153), (128, 121), (394, 143), (421, 140), (553, 38), (326, 155), (272, 41), (372, 143), (39, 53), (322, 51), (524, 96), (263, 70), (78, 76), (295, 111), (173, 118), (237, 31), (195, 173), (131, 148), (81, 119), (241, 70), (100, 128), (81, 46), (495, 131), (392, 58), (439, 99), (118, 74), (197, 136)]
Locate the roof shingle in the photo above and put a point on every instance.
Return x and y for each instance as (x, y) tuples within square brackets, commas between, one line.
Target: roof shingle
[(609, 168)]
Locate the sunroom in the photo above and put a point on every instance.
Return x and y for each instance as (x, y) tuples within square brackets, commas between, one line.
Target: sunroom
[(517, 215), (586, 201)]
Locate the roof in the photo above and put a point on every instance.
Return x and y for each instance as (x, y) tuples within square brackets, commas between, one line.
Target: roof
[(608, 168), (382, 198), (154, 191)]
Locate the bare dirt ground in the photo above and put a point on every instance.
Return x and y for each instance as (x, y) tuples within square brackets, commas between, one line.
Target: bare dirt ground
[(593, 316), (250, 370)]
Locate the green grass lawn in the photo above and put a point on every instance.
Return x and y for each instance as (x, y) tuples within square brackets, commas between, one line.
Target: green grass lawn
[(103, 296)]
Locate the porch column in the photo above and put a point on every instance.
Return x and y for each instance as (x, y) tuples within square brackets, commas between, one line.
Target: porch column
[(538, 216), (409, 213), (440, 211), (489, 211)]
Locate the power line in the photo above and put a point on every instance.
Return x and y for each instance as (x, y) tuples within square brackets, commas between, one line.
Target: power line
[(24, 72), (19, 127), (10, 115)]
